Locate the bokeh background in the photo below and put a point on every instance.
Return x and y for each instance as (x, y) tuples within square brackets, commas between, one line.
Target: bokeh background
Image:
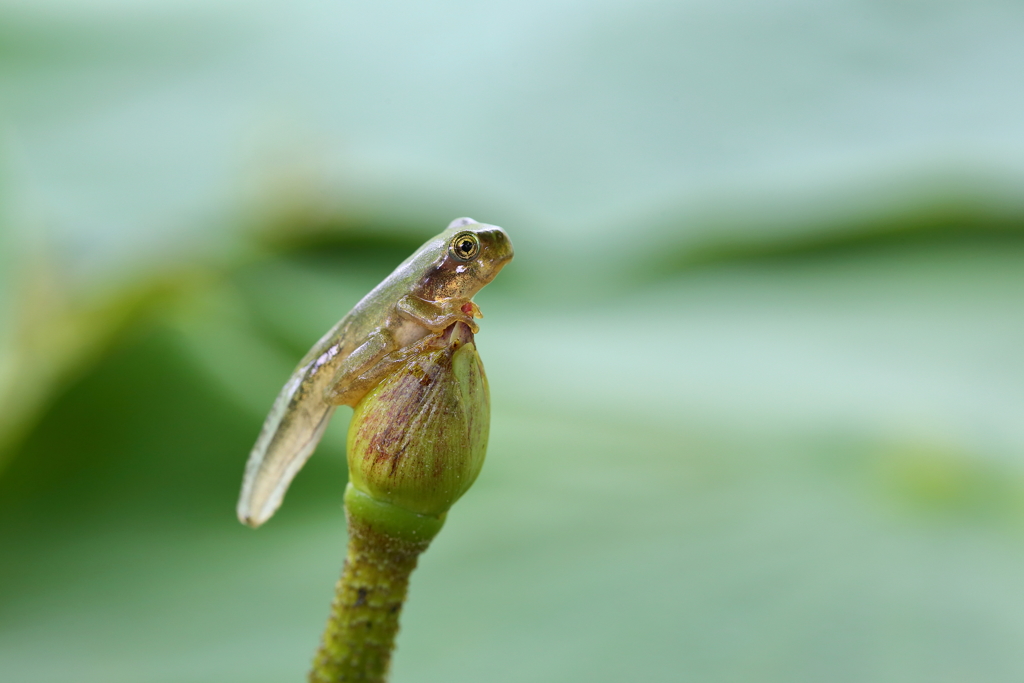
[(756, 371)]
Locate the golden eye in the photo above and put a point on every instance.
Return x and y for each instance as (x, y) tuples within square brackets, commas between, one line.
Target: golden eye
[(465, 246)]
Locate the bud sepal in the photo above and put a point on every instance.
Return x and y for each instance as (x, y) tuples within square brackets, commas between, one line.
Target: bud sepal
[(391, 520)]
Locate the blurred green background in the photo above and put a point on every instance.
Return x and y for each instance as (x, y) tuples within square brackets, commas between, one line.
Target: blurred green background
[(756, 370)]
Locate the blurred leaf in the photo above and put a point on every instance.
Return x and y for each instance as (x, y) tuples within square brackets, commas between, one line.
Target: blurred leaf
[(730, 495), (57, 334), (955, 216)]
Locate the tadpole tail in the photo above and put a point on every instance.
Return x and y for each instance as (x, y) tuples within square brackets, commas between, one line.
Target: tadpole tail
[(290, 433)]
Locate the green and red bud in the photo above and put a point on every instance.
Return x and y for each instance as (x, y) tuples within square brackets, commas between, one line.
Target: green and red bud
[(417, 441)]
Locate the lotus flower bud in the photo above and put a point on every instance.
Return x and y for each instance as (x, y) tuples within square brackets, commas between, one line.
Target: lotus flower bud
[(417, 440)]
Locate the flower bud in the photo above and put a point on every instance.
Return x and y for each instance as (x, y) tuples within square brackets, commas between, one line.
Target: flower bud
[(417, 440)]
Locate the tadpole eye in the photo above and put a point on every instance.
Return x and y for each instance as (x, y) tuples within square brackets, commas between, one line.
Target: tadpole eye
[(465, 246)]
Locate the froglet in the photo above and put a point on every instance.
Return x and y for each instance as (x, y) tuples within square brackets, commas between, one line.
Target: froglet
[(428, 292)]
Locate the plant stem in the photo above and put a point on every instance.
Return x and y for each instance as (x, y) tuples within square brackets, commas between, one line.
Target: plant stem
[(360, 633)]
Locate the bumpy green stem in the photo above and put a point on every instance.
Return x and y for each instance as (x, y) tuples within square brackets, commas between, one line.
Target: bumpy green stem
[(360, 633)]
